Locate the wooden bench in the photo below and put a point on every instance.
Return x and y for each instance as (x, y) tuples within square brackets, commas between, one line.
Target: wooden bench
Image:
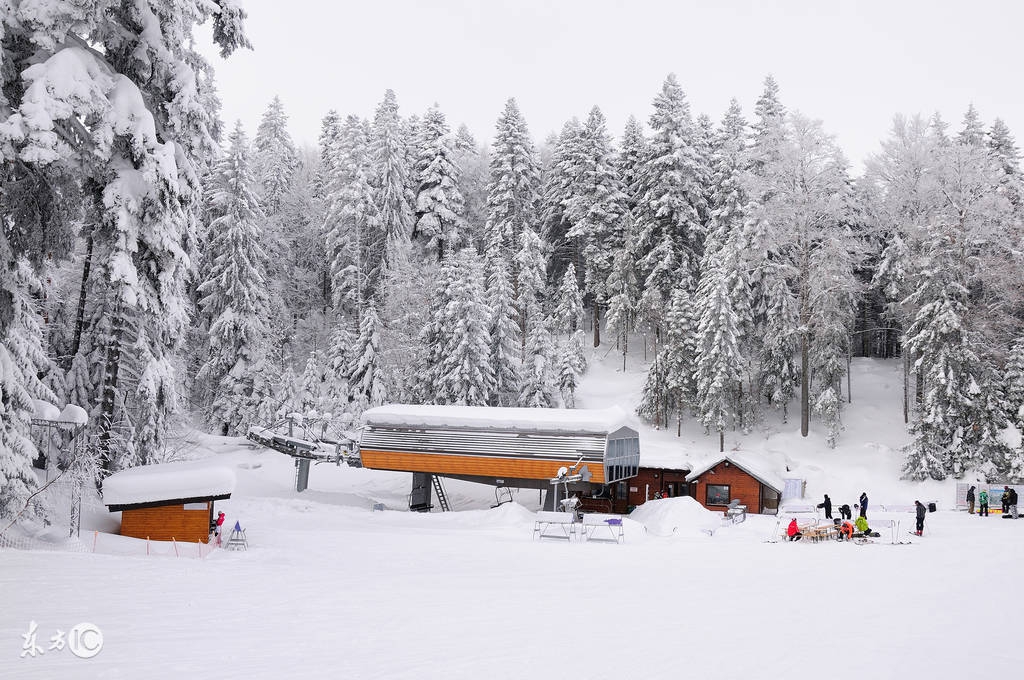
[(598, 526), (560, 525)]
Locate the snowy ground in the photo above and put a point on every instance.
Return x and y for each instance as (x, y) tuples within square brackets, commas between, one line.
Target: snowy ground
[(332, 589)]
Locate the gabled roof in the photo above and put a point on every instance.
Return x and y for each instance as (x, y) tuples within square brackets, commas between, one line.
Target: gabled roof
[(167, 482), (750, 464)]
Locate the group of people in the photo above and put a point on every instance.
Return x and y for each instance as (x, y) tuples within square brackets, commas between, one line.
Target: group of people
[(844, 509), (1009, 499), (847, 529)]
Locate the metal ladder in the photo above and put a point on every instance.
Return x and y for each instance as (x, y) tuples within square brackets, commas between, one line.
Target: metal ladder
[(442, 497)]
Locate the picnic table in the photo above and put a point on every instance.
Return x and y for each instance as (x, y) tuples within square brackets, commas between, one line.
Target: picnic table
[(821, 532)]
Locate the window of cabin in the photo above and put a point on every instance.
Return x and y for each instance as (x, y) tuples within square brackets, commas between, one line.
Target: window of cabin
[(718, 494)]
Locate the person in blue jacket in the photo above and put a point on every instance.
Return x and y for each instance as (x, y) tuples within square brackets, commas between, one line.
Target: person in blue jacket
[(863, 504)]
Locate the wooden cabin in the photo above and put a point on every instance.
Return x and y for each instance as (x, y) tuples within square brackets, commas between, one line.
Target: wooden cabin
[(736, 476), (513, 447), (648, 484), (168, 501)]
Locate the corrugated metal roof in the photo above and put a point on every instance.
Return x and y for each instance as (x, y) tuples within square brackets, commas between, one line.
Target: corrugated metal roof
[(485, 443), (600, 421)]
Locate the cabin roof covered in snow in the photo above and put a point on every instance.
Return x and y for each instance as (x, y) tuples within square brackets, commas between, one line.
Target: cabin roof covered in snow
[(602, 421), (180, 482), (756, 468)]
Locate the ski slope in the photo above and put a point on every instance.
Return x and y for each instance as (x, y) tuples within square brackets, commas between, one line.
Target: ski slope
[(332, 589)]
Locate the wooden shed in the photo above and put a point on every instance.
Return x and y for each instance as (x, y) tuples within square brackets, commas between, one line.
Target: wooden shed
[(736, 476), (514, 447), (168, 501)]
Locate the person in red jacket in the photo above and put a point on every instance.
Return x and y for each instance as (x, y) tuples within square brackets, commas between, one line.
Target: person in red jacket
[(845, 531), (794, 531), (219, 524)]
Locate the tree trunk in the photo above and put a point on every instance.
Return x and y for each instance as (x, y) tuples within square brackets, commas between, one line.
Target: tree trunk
[(111, 373), (805, 399), (625, 343), (76, 343), (906, 388), (721, 441), (596, 320), (739, 403)]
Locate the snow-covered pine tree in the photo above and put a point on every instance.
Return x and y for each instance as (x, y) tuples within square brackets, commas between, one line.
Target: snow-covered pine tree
[(234, 290), (336, 390), (26, 344), (439, 202), (275, 156), (727, 165), (513, 191), (22, 357), (723, 319), (833, 306), (561, 186), (464, 374), (705, 145), (669, 199), (127, 144), (504, 327), (17, 480), (632, 155), (1013, 387), (330, 132), (287, 396), (958, 331), (312, 385), (433, 337), (538, 366), (472, 162), (1004, 150), (769, 126), (391, 187), (530, 266), (365, 374), (568, 314), (623, 289), (352, 224), (944, 436), (596, 212), (972, 132), (671, 385), (571, 365)]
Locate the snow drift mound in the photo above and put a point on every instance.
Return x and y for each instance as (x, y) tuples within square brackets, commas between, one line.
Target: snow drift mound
[(681, 516)]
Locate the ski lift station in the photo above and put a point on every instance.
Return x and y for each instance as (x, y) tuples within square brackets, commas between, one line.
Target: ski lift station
[(564, 450)]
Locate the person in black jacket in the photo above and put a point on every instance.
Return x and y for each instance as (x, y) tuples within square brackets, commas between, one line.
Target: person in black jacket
[(921, 512), (970, 501), (827, 504), (1012, 502), (845, 512), (864, 505)]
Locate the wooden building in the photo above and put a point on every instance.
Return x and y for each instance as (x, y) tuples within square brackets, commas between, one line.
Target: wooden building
[(168, 501), (736, 476), (648, 484), (513, 447)]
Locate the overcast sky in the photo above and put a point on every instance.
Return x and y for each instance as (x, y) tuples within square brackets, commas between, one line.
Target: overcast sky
[(851, 64)]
